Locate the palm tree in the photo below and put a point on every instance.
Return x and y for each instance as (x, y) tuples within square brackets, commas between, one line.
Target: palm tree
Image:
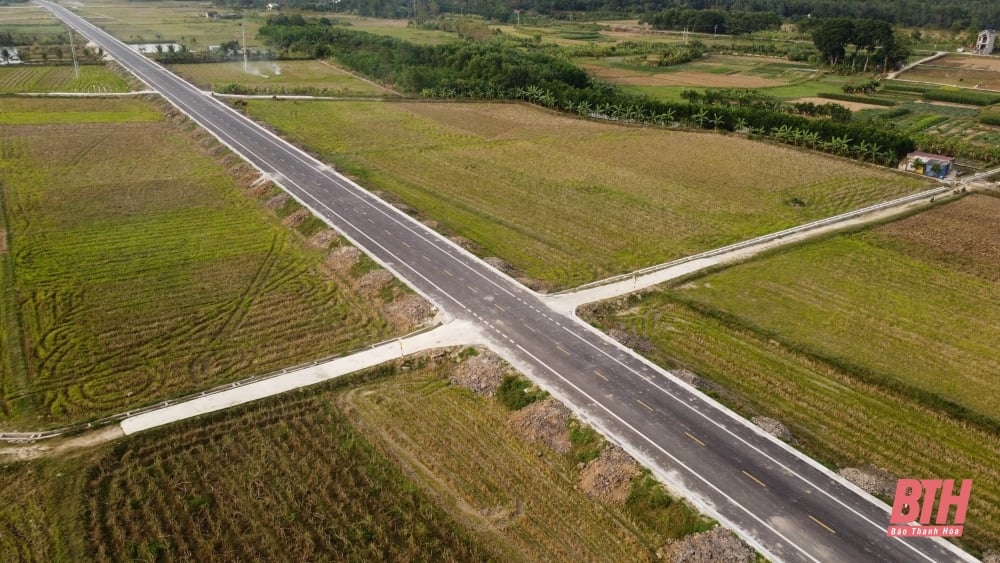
[(741, 124), (716, 120), (583, 108)]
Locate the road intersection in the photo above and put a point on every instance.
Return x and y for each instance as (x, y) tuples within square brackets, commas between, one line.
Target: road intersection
[(784, 504)]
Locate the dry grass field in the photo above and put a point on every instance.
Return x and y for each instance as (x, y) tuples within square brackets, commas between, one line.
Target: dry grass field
[(139, 271), (276, 77), (93, 79), (169, 20), (521, 497), (285, 479), (568, 200), (694, 79), (854, 342), (958, 70), (373, 467)]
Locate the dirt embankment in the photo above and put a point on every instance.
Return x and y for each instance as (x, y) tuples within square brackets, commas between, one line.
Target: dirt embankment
[(608, 478), (3, 240), (482, 373), (718, 545)]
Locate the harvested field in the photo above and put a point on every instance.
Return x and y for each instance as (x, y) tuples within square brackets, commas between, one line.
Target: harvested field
[(167, 21), (530, 186), (142, 272), (306, 476), (957, 70), (519, 496), (93, 79), (290, 479), (679, 78), (883, 337), (279, 77), (853, 106), (893, 305), (53, 111), (962, 234)]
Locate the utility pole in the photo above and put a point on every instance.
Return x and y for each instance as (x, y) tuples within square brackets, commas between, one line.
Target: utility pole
[(244, 30), (72, 49)]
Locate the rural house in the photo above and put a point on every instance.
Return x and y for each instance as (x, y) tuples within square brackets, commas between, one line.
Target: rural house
[(985, 41), (933, 165)]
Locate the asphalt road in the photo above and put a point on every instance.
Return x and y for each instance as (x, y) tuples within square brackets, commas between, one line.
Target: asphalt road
[(784, 504)]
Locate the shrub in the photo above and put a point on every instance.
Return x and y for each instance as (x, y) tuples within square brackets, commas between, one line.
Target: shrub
[(990, 118), (516, 392), (959, 96)]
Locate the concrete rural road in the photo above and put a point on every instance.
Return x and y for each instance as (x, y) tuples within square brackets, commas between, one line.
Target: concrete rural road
[(784, 504)]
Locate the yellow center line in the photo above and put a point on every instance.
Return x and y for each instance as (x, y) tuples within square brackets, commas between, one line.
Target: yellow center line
[(472, 289), (449, 273), (759, 482), (561, 349), (695, 439), (645, 405), (828, 528), (529, 327), (601, 375), (499, 307)]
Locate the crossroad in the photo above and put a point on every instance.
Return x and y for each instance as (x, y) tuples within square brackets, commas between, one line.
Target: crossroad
[(784, 504)]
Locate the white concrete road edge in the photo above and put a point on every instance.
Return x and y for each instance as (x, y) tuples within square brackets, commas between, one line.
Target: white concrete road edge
[(454, 333)]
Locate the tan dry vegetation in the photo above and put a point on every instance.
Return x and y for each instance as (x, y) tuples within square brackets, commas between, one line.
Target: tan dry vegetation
[(520, 497), (143, 272), (567, 200), (963, 232), (697, 79), (959, 70), (853, 106)]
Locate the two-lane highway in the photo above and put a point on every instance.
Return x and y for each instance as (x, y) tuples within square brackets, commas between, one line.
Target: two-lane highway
[(784, 504)]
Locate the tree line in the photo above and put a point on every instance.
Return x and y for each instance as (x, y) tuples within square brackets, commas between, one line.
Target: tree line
[(503, 68), (750, 14), (712, 21)]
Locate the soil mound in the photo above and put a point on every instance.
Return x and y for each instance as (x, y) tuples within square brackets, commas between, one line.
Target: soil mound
[(482, 373), (717, 545), (408, 312), (609, 477), (633, 341), (543, 422), (774, 428), (341, 259), (872, 480)]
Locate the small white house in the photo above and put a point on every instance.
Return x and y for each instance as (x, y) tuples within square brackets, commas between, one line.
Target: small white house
[(273, 7), (985, 41)]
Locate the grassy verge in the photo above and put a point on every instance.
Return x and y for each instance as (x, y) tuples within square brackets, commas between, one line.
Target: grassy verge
[(143, 272), (531, 186)]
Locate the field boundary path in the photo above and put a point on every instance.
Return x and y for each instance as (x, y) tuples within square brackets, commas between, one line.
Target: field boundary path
[(894, 74), (790, 509), (567, 302)]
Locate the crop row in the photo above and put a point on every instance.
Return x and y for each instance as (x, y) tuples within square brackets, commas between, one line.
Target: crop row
[(831, 414), (132, 291), (94, 79)]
